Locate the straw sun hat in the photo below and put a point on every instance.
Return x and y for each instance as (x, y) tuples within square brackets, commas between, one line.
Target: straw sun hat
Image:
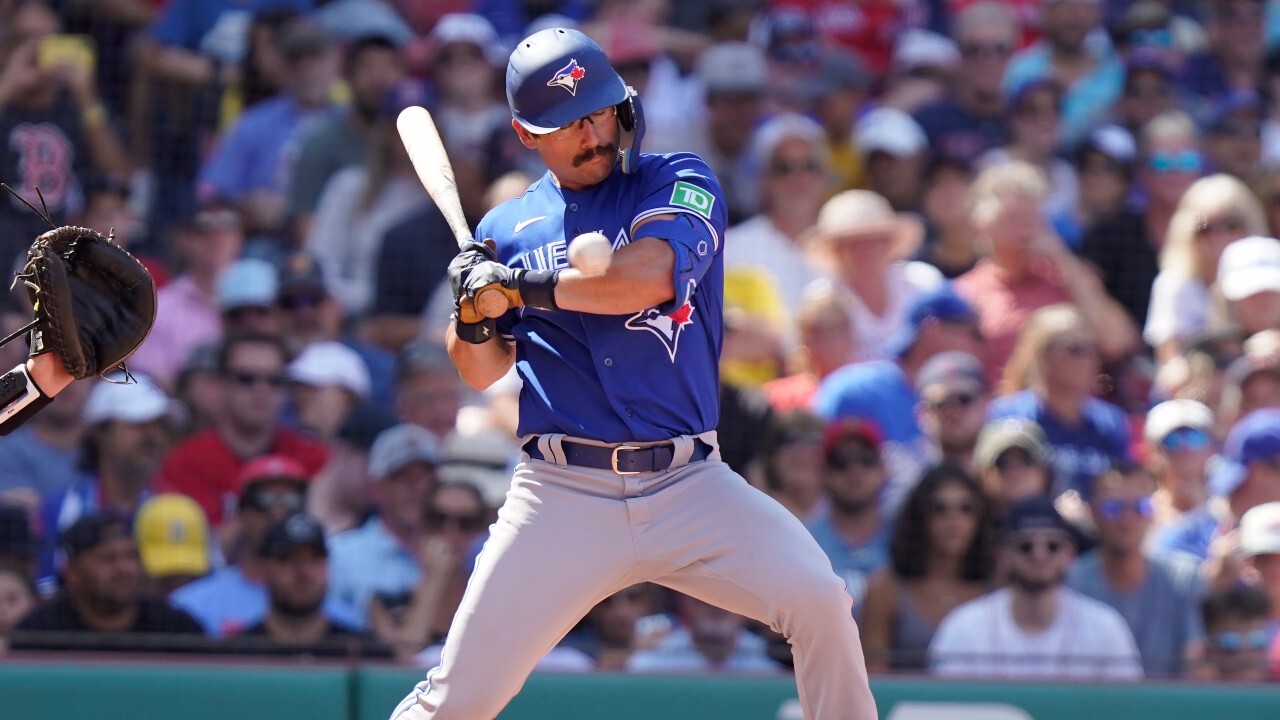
[(859, 214)]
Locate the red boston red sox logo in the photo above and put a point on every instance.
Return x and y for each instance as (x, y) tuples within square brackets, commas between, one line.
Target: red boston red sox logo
[(45, 160)]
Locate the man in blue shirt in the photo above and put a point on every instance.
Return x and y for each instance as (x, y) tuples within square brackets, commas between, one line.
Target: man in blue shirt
[(381, 557), (253, 159), (854, 531)]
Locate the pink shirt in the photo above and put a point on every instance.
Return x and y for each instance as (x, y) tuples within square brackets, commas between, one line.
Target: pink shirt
[(1003, 306), (185, 319)]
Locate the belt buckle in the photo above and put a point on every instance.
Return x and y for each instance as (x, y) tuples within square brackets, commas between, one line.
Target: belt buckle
[(613, 459)]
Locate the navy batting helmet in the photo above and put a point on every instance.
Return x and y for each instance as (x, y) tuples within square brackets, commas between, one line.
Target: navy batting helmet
[(558, 75)]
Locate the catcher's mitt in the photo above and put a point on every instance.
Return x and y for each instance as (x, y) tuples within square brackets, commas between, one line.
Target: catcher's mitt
[(94, 302)]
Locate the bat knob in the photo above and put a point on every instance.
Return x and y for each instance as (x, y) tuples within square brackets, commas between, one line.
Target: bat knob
[(492, 303)]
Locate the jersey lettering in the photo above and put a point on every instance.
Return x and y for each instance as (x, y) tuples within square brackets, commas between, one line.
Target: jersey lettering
[(45, 161), (692, 197)]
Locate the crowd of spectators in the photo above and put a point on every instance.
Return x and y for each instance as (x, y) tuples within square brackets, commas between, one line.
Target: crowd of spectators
[(1002, 310)]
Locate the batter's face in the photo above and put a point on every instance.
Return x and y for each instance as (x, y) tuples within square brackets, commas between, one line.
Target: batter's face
[(580, 154)]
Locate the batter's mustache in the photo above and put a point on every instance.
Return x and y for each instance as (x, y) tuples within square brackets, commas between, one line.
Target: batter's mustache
[(609, 150)]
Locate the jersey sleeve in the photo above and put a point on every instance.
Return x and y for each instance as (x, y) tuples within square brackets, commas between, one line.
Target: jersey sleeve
[(683, 185)]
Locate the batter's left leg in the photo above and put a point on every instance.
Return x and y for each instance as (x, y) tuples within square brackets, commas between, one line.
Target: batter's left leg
[(738, 549)]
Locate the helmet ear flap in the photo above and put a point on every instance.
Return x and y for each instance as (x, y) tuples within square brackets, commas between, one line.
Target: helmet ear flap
[(631, 125)]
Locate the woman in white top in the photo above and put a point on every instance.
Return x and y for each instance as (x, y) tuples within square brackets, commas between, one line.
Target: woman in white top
[(358, 206), (865, 244), (1214, 211), (795, 172)]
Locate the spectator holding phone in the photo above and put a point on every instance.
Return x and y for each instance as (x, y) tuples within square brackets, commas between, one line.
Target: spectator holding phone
[(54, 129)]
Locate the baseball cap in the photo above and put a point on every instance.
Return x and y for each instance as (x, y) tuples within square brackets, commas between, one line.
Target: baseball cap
[(246, 283), (781, 127), (482, 459), (1246, 366), (941, 304), (356, 21), (999, 436), (892, 131), (303, 37), (1238, 101), (300, 273), (1254, 437), (140, 401), (401, 445), (1112, 141), (837, 69), (279, 468), (296, 531), (1147, 59), (330, 363), (172, 535), (729, 67), (93, 530), (16, 537), (1171, 415), (1034, 513), (1249, 266), (948, 367), (851, 428), (915, 49), (470, 29), (364, 424), (1260, 530)]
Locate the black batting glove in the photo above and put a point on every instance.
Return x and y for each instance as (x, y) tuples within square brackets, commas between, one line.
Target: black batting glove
[(535, 288), (469, 256)]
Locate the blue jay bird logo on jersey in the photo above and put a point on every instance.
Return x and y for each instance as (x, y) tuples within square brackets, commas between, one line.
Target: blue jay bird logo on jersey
[(666, 327), (568, 76)]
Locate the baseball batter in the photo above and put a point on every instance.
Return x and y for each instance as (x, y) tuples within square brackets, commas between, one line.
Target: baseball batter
[(622, 481)]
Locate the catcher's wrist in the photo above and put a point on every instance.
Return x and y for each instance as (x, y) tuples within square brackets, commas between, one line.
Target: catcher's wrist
[(20, 398), (475, 333), (537, 288)]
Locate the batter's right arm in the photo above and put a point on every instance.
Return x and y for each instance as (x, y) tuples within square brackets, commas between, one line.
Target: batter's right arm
[(480, 364)]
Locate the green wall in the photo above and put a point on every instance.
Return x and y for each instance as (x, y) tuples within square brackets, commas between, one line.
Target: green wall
[(144, 691)]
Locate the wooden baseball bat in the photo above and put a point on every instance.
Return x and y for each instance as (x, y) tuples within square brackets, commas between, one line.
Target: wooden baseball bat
[(426, 151)]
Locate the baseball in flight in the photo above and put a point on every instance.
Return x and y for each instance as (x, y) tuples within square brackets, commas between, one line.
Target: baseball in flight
[(590, 253)]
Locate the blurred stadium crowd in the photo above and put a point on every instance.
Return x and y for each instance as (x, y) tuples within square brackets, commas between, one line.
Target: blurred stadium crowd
[(1002, 310)]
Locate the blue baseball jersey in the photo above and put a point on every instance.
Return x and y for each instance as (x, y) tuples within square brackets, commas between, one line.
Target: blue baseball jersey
[(645, 376)]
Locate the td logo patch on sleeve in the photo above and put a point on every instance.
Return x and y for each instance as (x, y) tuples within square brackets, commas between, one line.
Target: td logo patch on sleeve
[(692, 197)]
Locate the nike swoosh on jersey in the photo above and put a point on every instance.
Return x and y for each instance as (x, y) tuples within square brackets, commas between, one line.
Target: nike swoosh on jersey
[(526, 223)]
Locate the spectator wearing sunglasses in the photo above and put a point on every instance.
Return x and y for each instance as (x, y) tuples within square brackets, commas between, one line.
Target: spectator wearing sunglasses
[(384, 555), (953, 406), (128, 430), (1178, 447), (854, 532), (251, 384), (1158, 594), (942, 554), (795, 177), (1233, 134), (231, 598), (454, 515), (971, 119), (1052, 379), (1247, 476), (1035, 626), (1236, 634), (187, 314), (1012, 460), (1212, 213)]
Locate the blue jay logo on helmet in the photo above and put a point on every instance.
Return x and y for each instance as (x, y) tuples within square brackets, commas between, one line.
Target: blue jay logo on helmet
[(568, 76)]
